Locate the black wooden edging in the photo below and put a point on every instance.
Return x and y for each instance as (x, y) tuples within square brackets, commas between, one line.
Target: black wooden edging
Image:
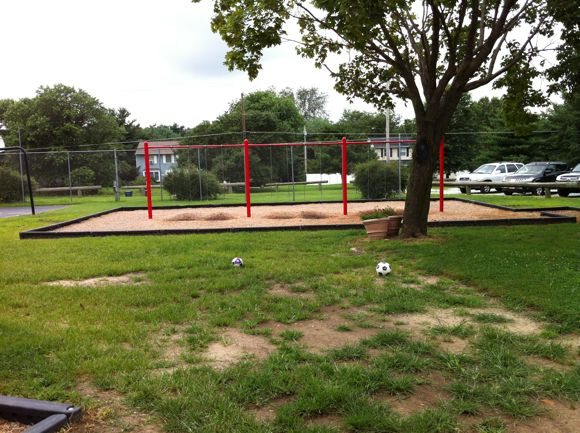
[(47, 232), (46, 416)]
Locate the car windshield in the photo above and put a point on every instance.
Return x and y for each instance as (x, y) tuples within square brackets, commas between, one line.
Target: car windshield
[(485, 169), (576, 169), (531, 169)]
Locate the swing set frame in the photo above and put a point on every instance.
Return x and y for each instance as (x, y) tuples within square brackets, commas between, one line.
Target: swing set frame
[(246, 145)]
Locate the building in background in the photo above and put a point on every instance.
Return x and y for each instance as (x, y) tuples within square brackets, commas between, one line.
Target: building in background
[(392, 151), (161, 161)]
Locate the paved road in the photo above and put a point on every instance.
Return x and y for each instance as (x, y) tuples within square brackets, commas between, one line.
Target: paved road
[(7, 212)]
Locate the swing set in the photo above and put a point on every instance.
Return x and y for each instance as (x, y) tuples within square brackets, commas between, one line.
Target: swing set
[(246, 146)]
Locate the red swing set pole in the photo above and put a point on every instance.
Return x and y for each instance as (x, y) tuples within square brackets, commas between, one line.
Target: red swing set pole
[(344, 169), (247, 177), (441, 173), (148, 181)]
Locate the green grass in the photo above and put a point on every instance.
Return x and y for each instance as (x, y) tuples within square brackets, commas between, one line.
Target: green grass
[(52, 337), (534, 267)]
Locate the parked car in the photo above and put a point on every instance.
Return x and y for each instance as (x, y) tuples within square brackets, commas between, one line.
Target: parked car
[(491, 172), (546, 171), (573, 176)]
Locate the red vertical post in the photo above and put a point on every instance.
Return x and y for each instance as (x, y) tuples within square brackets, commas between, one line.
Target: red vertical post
[(148, 181), (344, 170), (441, 173), (247, 177)]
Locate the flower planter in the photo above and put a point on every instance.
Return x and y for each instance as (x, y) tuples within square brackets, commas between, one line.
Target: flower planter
[(377, 228), (395, 222)]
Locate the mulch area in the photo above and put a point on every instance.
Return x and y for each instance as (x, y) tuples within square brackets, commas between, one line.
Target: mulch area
[(285, 216)]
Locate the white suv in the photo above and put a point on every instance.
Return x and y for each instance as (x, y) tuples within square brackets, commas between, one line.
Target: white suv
[(492, 172)]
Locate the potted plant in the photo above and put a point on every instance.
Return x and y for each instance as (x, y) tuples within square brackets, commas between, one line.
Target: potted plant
[(376, 222)]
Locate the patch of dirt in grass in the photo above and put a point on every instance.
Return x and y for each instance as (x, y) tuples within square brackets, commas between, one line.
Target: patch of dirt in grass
[(430, 280), (555, 417), (423, 397), (170, 345), (234, 345), (286, 291), (454, 345), (133, 278), (12, 426), (420, 323), (559, 417), (519, 323), (320, 335), (268, 413), (332, 421), (572, 340), (107, 413), (545, 363)]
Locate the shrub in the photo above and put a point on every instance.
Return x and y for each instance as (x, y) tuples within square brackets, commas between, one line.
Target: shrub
[(82, 176), (10, 185), (139, 180), (377, 179), (184, 182)]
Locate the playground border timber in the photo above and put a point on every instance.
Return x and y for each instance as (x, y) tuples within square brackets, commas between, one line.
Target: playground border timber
[(42, 416), (47, 232)]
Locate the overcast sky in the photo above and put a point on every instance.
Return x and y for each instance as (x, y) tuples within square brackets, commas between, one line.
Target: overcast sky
[(157, 58)]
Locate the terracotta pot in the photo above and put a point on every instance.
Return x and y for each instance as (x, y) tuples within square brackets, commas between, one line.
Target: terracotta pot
[(377, 228), (395, 222)]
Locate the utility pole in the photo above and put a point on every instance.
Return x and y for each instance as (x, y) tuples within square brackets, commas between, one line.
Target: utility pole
[(388, 133), (20, 164), (305, 156), (243, 118)]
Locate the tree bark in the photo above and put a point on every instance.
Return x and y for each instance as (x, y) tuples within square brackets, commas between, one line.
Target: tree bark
[(420, 180)]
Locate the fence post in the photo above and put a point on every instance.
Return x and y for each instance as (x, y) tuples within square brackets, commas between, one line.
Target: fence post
[(344, 169), (247, 177), (69, 176), (117, 185), (148, 180), (441, 173)]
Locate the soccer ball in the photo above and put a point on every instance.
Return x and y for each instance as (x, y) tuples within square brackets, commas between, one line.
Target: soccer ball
[(383, 268), (237, 261)]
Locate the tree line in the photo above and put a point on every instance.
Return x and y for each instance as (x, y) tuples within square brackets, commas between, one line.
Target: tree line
[(62, 118)]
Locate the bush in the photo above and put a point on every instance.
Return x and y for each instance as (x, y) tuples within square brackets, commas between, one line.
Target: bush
[(82, 176), (10, 185), (377, 179), (183, 182)]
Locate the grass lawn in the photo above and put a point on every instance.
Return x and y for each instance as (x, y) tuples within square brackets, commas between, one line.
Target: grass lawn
[(304, 338)]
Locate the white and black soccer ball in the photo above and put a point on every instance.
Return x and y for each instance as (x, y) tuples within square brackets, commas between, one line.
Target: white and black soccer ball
[(238, 262), (383, 268)]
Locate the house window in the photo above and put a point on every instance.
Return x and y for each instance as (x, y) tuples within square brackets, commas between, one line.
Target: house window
[(168, 159), (155, 175), (152, 159)]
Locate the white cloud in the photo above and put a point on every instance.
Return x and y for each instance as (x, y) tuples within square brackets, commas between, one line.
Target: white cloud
[(158, 59)]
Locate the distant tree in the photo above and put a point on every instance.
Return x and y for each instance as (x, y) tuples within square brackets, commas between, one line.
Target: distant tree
[(269, 117), (462, 139), (565, 74), (62, 117), (564, 119), (311, 103)]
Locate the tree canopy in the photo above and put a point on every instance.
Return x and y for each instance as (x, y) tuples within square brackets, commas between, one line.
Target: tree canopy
[(426, 52)]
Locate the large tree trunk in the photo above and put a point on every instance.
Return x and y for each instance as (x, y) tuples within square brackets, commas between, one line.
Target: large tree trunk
[(421, 178)]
